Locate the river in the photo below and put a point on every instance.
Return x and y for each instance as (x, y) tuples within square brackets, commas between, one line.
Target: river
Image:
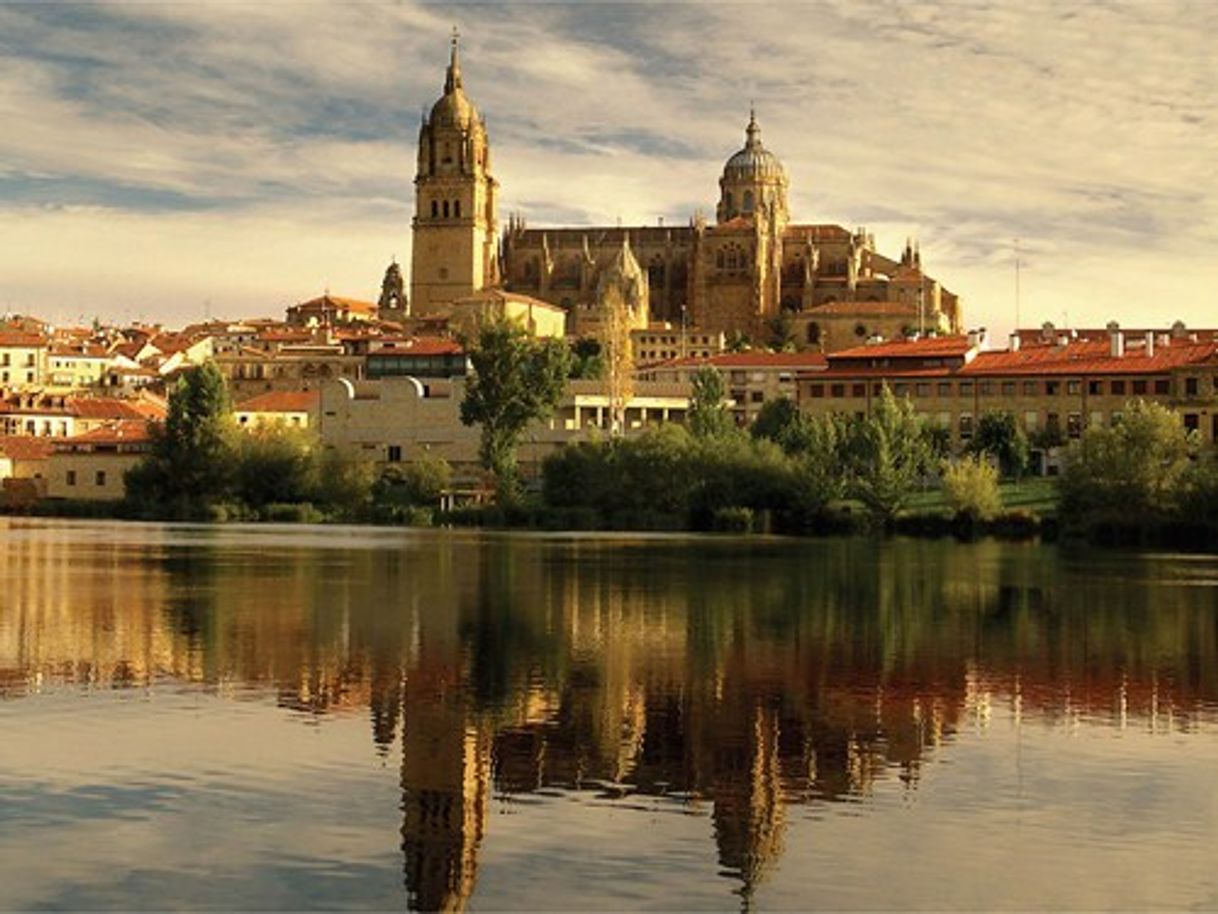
[(278, 717)]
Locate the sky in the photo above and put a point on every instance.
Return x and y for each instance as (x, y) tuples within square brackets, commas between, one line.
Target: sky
[(171, 161)]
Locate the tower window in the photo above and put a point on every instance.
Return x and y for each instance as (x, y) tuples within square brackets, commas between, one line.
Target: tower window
[(457, 208), (435, 209), (445, 209), (727, 199), (748, 201)]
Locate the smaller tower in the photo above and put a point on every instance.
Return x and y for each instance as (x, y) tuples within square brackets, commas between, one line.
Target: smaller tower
[(393, 304)]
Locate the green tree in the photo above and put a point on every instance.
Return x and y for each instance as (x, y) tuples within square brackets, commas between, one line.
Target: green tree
[(516, 380), (419, 483), (276, 465), (999, 435), (1132, 471), (888, 452), (344, 484), (708, 414), (587, 359), (775, 419), (192, 460), (970, 487), (780, 332)]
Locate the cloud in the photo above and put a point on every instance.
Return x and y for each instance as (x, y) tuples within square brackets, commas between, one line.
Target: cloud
[(1087, 132)]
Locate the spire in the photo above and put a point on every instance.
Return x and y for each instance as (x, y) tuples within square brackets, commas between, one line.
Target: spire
[(752, 132), (452, 79)]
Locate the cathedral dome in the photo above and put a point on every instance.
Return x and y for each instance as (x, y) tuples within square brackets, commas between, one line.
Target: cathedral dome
[(754, 160)]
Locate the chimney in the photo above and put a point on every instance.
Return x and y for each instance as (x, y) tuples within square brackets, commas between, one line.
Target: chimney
[(1063, 340), (1014, 342), (1116, 340), (974, 338), (1150, 344)]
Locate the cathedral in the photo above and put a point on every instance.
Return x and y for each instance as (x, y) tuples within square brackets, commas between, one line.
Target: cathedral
[(753, 269)]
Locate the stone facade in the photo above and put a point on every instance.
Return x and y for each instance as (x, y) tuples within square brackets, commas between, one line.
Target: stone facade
[(750, 270)]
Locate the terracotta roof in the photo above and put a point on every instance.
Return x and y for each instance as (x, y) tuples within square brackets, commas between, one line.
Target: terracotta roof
[(329, 302), (421, 345), (281, 401), (127, 350), (108, 408), (929, 347), (87, 351), (820, 231), (18, 338), (118, 432), (25, 447), (735, 224), (499, 295), (1090, 357)]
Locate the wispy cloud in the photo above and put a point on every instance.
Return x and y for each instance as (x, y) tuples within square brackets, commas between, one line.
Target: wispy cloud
[(263, 149)]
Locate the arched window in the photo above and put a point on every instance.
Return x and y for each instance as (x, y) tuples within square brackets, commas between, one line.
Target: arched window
[(748, 201), (728, 201), (435, 209), (457, 208), (445, 209), (813, 333)]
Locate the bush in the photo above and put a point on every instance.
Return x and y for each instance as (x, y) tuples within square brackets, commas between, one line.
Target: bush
[(970, 486), (293, 513), (732, 520)]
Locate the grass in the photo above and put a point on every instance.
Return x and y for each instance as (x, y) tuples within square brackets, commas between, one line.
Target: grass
[(1035, 494)]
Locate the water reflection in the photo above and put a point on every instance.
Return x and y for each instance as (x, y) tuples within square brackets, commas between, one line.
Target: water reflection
[(744, 679)]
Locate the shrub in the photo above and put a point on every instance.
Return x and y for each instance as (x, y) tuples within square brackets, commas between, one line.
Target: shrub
[(970, 486)]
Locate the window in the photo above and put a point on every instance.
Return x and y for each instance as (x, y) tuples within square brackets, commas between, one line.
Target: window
[(757, 396), (71, 477), (922, 390), (1030, 388), (748, 201), (945, 390), (457, 208), (100, 477), (1191, 422), (1053, 388), (816, 391), (837, 390), (445, 209), (1162, 386), (1030, 420), (435, 209), (900, 390), (1139, 387), (1008, 388), (1053, 424), (395, 453), (1074, 387), (985, 388), (966, 425), (966, 388), (1095, 388), (858, 390), (1117, 388), (1190, 387)]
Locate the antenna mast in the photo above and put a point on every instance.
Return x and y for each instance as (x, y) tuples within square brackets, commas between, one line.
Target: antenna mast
[(1017, 290)]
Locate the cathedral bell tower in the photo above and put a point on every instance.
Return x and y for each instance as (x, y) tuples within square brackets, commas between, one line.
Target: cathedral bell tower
[(454, 252)]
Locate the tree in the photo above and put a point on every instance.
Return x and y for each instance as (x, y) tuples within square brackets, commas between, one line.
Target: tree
[(708, 416), (1132, 471), (775, 419), (193, 456), (276, 465), (888, 451), (419, 483), (999, 435), (780, 332), (587, 360), (970, 486), (516, 380), (618, 354)]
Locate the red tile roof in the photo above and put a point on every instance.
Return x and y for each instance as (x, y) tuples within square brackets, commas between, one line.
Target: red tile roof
[(329, 302), (108, 408), (281, 401), (421, 345), (25, 447), (930, 347), (18, 338), (1090, 357), (118, 432)]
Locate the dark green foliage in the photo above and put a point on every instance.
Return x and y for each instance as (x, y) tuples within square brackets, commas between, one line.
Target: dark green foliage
[(888, 453), (587, 359), (516, 380), (193, 458), (780, 332), (408, 492), (999, 435), (775, 419), (276, 464)]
